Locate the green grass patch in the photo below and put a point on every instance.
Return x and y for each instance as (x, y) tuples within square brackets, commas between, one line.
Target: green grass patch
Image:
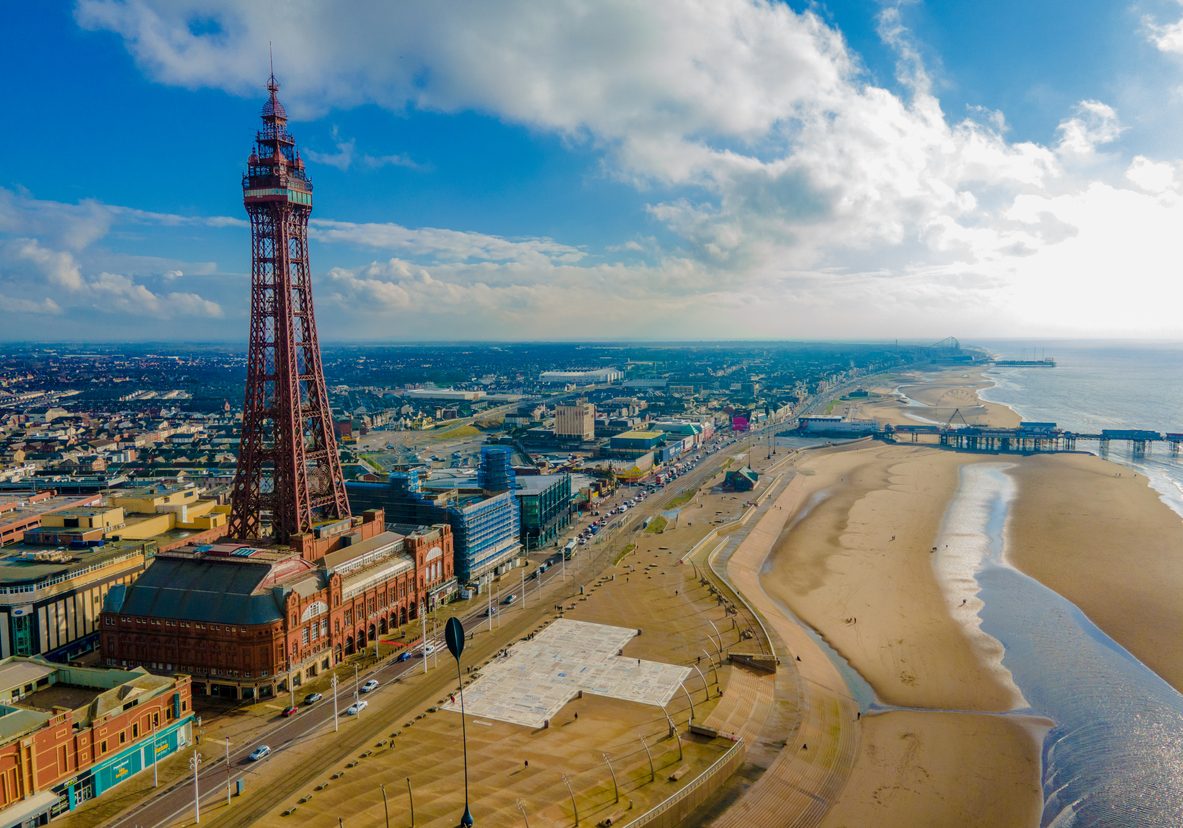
[(453, 433), (623, 553), (681, 498), (656, 525)]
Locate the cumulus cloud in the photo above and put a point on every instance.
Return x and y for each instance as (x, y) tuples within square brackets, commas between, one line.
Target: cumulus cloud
[(49, 273), (793, 186)]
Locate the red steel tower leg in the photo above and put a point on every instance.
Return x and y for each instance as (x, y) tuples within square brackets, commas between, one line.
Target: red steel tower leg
[(289, 474)]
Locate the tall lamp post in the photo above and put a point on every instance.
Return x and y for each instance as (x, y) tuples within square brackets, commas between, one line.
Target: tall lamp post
[(336, 725), (195, 763), (454, 636)]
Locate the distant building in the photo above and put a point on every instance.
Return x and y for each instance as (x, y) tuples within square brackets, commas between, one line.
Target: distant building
[(581, 377), (22, 511), (740, 480), (545, 504), (635, 443), (50, 598), (443, 394), (247, 622), (70, 734), (485, 526), (576, 420)]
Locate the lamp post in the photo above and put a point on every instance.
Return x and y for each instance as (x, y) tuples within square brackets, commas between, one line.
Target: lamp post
[(336, 724), (227, 770), (411, 800), (454, 636), (615, 788), (423, 624), (719, 643), (652, 773), (522, 810), (155, 775), (194, 764), (571, 791), (356, 691), (385, 805)]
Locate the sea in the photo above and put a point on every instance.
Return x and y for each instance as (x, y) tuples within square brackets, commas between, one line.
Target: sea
[(1097, 385), (1115, 754)]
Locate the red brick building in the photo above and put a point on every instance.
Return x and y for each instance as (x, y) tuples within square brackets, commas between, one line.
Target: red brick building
[(241, 619), (68, 734)]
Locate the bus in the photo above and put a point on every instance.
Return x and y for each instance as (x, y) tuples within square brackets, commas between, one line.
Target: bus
[(569, 550)]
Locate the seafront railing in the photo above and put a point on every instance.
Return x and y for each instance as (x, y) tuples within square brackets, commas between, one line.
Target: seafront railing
[(673, 810)]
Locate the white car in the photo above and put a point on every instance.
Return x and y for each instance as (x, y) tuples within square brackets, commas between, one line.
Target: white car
[(372, 684), (260, 752), (356, 707)]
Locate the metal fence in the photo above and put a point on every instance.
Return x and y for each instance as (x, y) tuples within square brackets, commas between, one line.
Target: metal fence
[(674, 810)]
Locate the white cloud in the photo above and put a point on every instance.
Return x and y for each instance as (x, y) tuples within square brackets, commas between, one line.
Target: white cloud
[(342, 159), (800, 193), (1093, 124), (56, 272), (444, 244)]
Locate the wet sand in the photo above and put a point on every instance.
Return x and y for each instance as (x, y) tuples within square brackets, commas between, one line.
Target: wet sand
[(951, 760), (1091, 530), (1096, 533)]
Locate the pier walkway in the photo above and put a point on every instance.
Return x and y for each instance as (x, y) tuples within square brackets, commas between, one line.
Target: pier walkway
[(1029, 438)]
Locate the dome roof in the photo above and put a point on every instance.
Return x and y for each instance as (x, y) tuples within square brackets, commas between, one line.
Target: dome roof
[(273, 108)]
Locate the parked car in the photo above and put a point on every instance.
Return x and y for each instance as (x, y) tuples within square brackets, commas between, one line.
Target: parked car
[(290, 711), (356, 707), (313, 698), (260, 752), (370, 686)]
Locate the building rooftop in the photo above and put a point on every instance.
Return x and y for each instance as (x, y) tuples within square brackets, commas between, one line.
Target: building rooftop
[(200, 589), (640, 435), (533, 484), (25, 564)]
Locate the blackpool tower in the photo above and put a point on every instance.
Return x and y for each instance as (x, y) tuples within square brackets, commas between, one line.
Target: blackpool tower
[(289, 474)]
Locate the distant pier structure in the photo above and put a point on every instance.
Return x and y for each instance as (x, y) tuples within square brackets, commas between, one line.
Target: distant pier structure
[(1030, 438)]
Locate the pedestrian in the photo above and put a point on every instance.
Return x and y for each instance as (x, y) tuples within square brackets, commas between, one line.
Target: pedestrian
[(527, 764)]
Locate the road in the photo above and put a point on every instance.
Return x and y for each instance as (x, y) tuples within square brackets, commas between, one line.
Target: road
[(176, 802)]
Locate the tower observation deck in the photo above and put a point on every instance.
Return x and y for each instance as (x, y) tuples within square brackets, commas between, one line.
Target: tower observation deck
[(289, 475)]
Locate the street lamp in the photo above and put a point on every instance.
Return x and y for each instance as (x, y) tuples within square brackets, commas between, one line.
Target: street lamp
[(336, 725), (194, 764), (454, 636)]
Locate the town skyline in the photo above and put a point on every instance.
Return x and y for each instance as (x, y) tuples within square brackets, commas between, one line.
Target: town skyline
[(740, 171)]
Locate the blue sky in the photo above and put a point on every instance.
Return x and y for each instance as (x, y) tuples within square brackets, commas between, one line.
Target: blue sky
[(609, 169)]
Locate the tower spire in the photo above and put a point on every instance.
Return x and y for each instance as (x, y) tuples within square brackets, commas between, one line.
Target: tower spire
[(289, 475)]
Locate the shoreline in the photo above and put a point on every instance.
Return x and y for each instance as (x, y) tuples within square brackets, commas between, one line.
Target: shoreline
[(849, 560)]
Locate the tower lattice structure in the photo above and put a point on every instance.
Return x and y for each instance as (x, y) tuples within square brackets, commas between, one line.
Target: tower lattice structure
[(289, 474)]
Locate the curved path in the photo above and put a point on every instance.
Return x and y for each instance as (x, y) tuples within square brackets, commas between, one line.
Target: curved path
[(819, 739)]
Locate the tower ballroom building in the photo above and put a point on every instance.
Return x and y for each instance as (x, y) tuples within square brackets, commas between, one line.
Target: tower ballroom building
[(301, 582)]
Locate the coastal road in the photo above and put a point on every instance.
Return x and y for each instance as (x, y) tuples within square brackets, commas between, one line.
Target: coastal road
[(559, 583)]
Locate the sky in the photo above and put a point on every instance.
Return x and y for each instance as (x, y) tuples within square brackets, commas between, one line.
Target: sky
[(603, 169)]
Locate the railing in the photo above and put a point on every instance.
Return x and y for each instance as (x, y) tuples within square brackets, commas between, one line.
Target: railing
[(725, 765)]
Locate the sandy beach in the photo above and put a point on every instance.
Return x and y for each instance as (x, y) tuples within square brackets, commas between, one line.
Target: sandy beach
[(1096, 533), (936, 395), (952, 758)]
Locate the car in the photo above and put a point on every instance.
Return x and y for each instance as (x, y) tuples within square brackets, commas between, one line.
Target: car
[(313, 698), (262, 751), (290, 711), (491, 611), (370, 686), (356, 707), (405, 655), (428, 649), (509, 599)]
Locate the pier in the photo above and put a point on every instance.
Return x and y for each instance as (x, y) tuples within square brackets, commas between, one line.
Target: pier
[(1030, 438)]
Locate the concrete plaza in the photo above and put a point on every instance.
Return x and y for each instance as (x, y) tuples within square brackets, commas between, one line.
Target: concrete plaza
[(535, 678)]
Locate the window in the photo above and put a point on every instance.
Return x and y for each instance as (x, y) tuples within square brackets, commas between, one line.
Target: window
[(135, 731), (103, 747)]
